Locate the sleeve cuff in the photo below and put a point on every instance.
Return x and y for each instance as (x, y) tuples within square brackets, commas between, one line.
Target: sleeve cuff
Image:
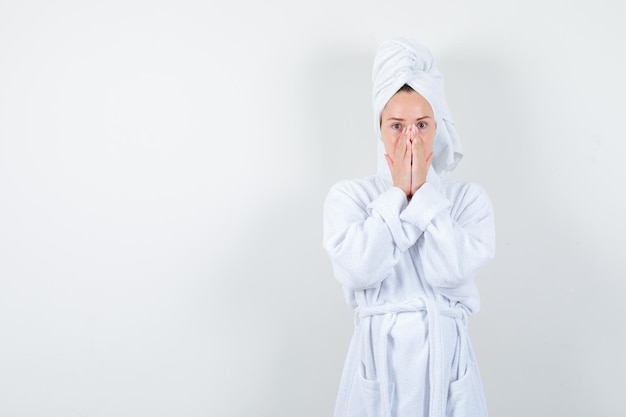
[(390, 203), (424, 206), (388, 206)]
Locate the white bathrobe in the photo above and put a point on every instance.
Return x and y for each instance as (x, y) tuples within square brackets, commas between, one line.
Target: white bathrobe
[(407, 269)]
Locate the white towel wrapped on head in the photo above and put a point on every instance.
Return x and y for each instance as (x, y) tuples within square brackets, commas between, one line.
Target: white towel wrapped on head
[(401, 61)]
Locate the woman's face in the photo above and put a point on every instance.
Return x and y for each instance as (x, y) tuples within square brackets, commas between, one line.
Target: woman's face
[(404, 109)]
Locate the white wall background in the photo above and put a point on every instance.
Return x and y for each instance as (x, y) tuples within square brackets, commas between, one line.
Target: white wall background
[(162, 171)]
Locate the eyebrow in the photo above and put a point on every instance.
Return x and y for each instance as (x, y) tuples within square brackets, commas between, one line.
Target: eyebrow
[(402, 120)]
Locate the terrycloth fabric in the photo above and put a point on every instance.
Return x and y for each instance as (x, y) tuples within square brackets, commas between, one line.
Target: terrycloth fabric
[(407, 269), (403, 61)]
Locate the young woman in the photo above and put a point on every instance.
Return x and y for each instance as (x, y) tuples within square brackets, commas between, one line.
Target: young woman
[(405, 246)]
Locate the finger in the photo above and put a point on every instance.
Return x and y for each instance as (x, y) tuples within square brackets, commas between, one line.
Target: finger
[(401, 150), (418, 138), (404, 134), (418, 148), (407, 152)]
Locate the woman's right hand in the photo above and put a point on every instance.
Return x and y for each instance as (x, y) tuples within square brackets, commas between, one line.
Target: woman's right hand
[(400, 162)]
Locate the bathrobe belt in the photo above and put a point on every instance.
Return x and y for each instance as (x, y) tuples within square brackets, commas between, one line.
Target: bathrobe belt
[(433, 311)]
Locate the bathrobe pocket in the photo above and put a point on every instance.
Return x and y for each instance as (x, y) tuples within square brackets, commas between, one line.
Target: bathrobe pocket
[(465, 396), (375, 404)]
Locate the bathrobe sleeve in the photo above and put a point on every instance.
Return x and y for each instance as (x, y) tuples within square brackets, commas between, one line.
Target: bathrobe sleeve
[(365, 238), (458, 235)]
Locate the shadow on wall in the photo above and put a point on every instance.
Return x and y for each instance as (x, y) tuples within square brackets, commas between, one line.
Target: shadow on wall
[(528, 335), (339, 113), (484, 97), (283, 342)]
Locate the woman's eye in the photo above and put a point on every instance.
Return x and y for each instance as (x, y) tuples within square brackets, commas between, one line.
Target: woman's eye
[(396, 126), (421, 125)]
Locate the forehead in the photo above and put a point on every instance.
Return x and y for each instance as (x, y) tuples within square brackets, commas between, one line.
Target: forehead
[(405, 104)]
